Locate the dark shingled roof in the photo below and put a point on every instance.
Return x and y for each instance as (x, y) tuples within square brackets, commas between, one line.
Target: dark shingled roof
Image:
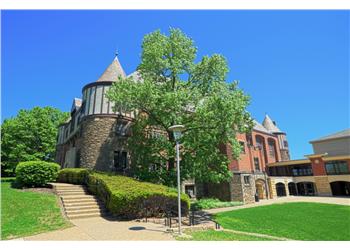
[(112, 73), (340, 134)]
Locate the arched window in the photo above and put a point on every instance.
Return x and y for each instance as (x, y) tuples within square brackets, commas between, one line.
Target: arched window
[(260, 143), (272, 148)]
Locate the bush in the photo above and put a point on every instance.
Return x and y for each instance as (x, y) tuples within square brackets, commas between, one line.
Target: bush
[(36, 173), (129, 198), (213, 203), (73, 175)]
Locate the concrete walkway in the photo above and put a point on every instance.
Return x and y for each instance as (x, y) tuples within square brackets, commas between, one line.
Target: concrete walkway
[(99, 228), (104, 228), (329, 200)]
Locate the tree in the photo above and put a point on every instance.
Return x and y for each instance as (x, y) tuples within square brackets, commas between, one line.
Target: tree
[(31, 135), (176, 90)]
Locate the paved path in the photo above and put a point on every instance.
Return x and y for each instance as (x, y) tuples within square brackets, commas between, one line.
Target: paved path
[(103, 228), (329, 200), (99, 228)]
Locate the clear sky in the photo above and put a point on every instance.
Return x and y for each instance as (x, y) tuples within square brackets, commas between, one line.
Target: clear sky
[(293, 64)]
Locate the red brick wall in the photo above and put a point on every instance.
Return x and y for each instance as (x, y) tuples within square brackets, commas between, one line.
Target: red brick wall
[(246, 161), (318, 166)]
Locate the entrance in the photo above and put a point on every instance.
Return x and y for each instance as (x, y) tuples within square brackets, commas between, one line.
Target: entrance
[(292, 188), (306, 188), (280, 189), (340, 188), (260, 189)]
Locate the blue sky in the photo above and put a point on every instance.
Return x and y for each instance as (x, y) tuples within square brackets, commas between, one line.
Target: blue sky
[(293, 64)]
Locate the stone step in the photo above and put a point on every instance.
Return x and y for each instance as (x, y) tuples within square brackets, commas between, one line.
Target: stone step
[(85, 211), (82, 207), (68, 186), (79, 197), (70, 190), (81, 203), (77, 202), (66, 193), (85, 215)]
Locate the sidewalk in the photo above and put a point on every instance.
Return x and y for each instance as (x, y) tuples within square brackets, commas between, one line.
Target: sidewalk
[(329, 200), (99, 228)]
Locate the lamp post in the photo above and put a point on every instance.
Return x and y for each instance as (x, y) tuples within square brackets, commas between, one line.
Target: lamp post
[(177, 130)]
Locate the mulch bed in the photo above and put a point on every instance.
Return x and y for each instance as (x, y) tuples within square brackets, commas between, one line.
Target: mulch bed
[(39, 190)]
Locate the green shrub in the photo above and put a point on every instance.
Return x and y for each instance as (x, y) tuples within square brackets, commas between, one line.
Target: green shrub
[(129, 198), (73, 175), (36, 173), (213, 203)]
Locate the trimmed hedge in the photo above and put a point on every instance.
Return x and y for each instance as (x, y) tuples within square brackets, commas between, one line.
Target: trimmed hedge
[(127, 197), (73, 175), (36, 173)]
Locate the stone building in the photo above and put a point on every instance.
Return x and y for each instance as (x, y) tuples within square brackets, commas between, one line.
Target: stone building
[(95, 137)]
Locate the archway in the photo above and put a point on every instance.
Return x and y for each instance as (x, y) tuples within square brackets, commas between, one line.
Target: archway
[(292, 188), (306, 188), (260, 188), (281, 189), (340, 188)]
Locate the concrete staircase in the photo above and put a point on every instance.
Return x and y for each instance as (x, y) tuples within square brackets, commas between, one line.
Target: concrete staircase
[(77, 202)]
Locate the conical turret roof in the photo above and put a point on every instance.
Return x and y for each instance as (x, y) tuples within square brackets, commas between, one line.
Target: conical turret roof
[(270, 125), (113, 72)]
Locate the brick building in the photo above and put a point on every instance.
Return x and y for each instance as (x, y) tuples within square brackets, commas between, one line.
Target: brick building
[(264, 145), (95, 137)]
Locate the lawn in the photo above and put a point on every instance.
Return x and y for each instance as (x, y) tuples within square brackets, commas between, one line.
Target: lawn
[(212, 235), (298, 221), (26, 213)]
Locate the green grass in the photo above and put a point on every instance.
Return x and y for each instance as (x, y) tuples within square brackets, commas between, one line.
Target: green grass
[(212, 235), (298, 221), (26, 213), (213, 203)]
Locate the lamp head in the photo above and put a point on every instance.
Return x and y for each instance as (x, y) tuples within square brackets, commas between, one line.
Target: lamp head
[(177, 131)]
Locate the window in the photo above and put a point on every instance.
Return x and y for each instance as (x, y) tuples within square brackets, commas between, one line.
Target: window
[(285, 143), (120, 160), (249, 140), (121, 128), (256, 163), (190, 190), (156, 134), (259, 142), (242, 144), (302, 171), (246, 179), (272, 148), (337, 167), (72, 123)]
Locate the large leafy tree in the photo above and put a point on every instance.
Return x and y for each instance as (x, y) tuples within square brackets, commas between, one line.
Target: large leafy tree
[(176, 90), (31, 135)]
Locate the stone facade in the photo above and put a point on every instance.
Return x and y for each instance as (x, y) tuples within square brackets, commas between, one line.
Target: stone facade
[(322, 185), (99, 142)]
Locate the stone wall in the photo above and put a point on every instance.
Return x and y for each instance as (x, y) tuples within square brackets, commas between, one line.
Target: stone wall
[(98, 143), (236, 188), (322, 185)]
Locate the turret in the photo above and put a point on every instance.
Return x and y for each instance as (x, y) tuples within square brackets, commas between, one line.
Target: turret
[(271, 126), (94, 94)]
